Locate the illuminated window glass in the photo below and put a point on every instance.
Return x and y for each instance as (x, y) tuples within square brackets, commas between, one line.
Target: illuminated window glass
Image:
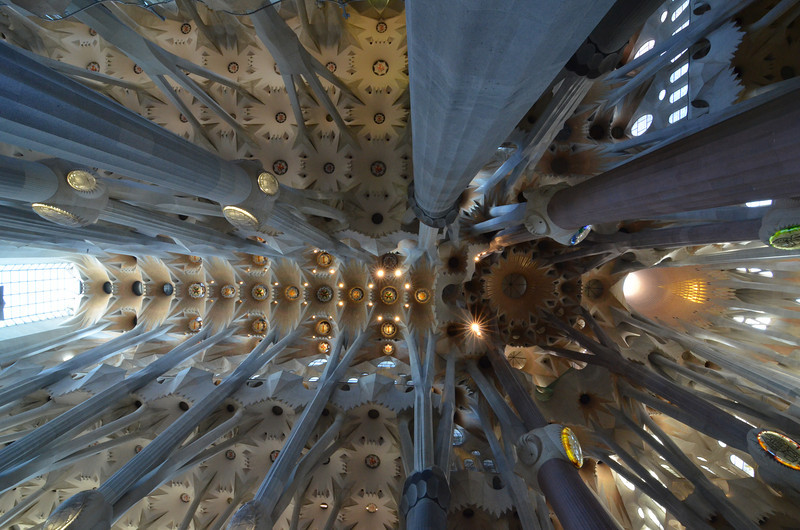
[(32, 292), (741, 464), (678, 114), (681, 27), (644, 48), (678, 12), (678, 94), (641, 124), (680, 72)]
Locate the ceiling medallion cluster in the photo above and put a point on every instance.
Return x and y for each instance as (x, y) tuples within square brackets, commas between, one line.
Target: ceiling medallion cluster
[(259, 292), (195, 324), (377, 168), (324, 259), (228, 291), (388, 329), (260, 326), (356, 294), (291, 293), (197, 290), (323, 328), (280, 167), (372, 461), (380, 68), (389, 295), (422, 295), (324, 294)]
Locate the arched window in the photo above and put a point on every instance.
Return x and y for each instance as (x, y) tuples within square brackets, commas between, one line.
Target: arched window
[(38, 291), (644, 48)]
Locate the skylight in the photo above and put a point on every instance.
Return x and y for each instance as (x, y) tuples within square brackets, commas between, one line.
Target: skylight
[(32, 292)]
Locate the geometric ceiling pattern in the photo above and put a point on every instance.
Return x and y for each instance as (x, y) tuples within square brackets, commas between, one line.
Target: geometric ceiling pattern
[(296, 357)]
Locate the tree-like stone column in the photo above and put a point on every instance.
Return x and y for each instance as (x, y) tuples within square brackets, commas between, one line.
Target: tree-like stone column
[(474, 71), (754, 155), (43, 110)]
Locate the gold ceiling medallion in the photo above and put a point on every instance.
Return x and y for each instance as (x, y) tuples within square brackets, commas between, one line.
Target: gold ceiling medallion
[(267, 183), (786, 238), (260, 326), (782, 448), (389, 295), (259, 292), (56, 215), (572, 447), (324, 259), (240, 218), (292, 293), (324, 346), (197, 290), (323, 328), (356, 294), (422, 295), (228, 291), (195, 324), (388, 329), (81, 180)]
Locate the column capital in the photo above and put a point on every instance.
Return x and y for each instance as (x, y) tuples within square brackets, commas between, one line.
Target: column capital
[(539, 223), (87, 510), (440, 220), (780, 226), (543, 444)]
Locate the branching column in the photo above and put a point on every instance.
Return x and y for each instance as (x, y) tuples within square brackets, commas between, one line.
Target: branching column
[(43, 110), (755, 155), (468, 92), (574, 505)]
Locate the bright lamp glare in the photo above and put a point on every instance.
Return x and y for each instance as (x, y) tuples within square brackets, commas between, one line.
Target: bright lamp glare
[(379, 273), (475, 328), (398, 272), (632, 285)]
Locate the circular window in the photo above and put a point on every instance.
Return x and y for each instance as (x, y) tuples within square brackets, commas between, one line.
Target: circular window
[(641, 124)]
